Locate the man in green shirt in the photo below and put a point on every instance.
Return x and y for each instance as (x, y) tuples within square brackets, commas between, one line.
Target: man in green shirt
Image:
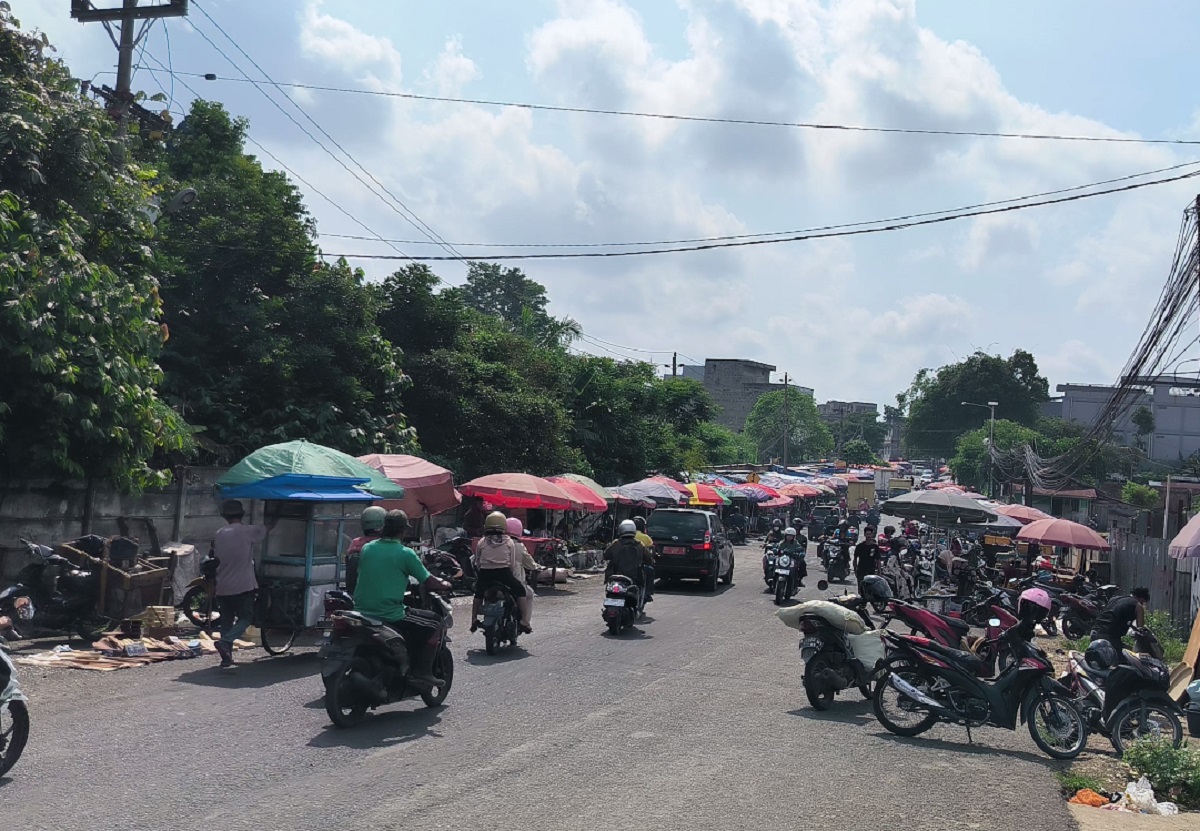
[(384, 567)]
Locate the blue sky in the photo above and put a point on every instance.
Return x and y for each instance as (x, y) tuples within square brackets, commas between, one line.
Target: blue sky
[(853, 317)]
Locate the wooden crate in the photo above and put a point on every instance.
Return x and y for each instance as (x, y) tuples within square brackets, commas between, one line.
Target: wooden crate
[(148, 574)]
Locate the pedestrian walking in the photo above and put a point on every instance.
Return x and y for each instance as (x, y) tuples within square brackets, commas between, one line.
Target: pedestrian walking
[(237, 584)]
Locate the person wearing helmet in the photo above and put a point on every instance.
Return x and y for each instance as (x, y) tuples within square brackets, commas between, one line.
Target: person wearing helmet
[(237, 584), (627, 556), (516, 530), (775, 535), (639, 522), (1119, 614), (792, 546), (384, 568), (372, 525), (497, 560)]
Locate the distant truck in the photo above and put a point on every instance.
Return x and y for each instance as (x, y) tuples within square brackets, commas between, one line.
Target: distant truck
[(899, 484)]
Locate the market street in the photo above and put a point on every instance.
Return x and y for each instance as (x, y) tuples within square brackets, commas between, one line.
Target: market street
[(698, 722)]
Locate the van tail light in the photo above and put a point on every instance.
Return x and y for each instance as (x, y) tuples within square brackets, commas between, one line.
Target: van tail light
[(706, 545)]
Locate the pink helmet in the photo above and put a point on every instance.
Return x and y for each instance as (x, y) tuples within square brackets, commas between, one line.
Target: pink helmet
[(515, 527), (1033, 605)]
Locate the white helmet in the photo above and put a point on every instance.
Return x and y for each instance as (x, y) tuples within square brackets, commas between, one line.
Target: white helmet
[(627, 528), (789, 532)]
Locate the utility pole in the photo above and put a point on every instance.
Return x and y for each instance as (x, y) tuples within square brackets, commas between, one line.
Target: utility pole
[(127, 14), (786, 431), (674, 364)]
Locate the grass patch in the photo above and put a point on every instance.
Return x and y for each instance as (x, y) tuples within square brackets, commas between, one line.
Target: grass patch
[(1071, 782), (1173, 772)]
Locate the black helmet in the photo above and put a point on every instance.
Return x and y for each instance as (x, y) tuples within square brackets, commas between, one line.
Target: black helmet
[(395, 522), (640, 523), (1101, 655), (889, 529), (876, 589)]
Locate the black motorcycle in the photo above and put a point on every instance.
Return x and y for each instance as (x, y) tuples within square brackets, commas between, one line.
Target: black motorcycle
[(1129, 701), (737, 534), (837, 563), (834, 658), (444, 564), (770, 555), (501, 618), (51, 594), (786, 577), (926, 682), (364, 663), (623, 603)]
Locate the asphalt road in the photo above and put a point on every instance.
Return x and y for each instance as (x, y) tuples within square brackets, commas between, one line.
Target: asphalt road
[(695, 721)]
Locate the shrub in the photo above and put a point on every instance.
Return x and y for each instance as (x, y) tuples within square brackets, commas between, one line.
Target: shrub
[(1071, 782), (1159, 622), (1174, 772)]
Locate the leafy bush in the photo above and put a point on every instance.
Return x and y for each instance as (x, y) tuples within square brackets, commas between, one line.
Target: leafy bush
[(1160, 624), (1174, 772), (1071, 782)]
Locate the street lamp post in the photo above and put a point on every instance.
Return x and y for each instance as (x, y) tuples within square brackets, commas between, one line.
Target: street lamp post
[(991, 408)]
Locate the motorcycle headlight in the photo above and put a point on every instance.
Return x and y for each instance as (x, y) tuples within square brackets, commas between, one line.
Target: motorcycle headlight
[(785, 560)]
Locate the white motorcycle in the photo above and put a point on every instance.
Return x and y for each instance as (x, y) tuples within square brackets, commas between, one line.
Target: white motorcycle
[(14, 715)]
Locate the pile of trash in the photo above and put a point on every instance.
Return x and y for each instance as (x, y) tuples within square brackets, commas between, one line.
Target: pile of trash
[(1137, 798), (113, 652)]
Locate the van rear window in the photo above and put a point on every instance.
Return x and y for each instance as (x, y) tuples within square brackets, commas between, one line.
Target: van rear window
[(684, 526)]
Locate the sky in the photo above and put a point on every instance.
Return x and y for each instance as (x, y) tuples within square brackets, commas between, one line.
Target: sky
[(854, 317)]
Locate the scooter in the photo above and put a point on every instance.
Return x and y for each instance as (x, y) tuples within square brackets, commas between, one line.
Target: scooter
[(837, 564), (501, 618), (1129, 701), (14, 715), (788, 571), (624, 602), (199, 601), (1083, 609), (365, 664), (770, 557)]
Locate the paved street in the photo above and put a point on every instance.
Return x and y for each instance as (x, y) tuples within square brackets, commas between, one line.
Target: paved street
[(698, 721)]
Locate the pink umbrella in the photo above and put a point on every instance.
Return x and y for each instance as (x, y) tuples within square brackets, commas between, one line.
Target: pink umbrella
[(777, 502), (520, 490), (1062, 532), (1187, 542), (428, 489), (1022, 513), (972, 495), (581, 493), (798, 490)]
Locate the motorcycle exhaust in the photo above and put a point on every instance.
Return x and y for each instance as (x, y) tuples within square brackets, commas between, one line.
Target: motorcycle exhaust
[(912, 692)]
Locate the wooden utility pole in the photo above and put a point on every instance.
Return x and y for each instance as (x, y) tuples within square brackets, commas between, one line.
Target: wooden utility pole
[(127, 14), (674, 364), (786, 432)]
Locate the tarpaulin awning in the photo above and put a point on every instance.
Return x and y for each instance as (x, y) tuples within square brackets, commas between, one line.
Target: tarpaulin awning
[(1055, 531), (305, 458), (585, 496), (520, 490), (302, 487), (428, 488), (651, 490)]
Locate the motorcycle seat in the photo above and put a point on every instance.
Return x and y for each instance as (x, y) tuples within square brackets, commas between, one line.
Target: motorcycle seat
[(369, 621), (957, 624), (1093, 670), (966, 659)]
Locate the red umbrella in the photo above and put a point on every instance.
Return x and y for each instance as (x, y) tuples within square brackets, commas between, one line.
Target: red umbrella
[(798, 490), (520, 490), (699, 494), (777, 502), (1062, 532), (428, 489), (1022, 513), (581, 493)]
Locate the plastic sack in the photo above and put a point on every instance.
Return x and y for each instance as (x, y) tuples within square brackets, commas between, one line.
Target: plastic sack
[(867, 648), (831, 613), (1086, 796), (1139, 796)]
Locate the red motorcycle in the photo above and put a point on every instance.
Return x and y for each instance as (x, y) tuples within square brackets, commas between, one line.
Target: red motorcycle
[(1083, 609), (954, 633)]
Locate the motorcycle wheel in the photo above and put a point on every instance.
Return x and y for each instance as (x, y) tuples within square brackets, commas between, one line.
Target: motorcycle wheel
[(780, 592), (893, 709), (197, 608), (820, 696), (443, 668), (1128, 724), (489, 640), (1056, 726), (343, 707), (1051, 626), (1074, 627), (614, 626), (14, 732), (278, 641)]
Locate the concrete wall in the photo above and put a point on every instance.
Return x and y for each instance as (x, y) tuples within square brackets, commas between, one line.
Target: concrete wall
[(48, 512)]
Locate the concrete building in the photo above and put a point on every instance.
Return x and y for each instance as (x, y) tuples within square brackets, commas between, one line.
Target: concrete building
[(894, 438), (834, 410), (736, 386), (1174, 402)]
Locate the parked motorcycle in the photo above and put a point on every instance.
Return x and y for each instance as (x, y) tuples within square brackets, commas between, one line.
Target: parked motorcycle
[(450, 568), (14, 715), (199, 600), (955, 633), (1128, 701), (1082, 609), (838, 644), (623, 603), (51, 594), (365, 665), (927, 683)]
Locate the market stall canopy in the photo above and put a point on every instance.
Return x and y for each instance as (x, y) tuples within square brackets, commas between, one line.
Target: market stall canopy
[(600, 491), (1187, 542), (428, 489), (679, 486), (520, 490), (699, 494), (1002, 524), (303, 487), (307, 459), (1054, 531), (799, 491), (1022, 513), (777, 502), (936, 508), (652, 490), (581, 493)]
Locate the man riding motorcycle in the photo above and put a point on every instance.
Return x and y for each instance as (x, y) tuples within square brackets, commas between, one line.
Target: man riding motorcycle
[(384, 567), (372, 524), (792, 546), (775, 535), (627, 556)]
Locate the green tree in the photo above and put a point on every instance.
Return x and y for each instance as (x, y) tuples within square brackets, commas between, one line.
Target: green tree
[(970, 463), (936, 415), (80, 315), (858, 452), (1143, 420), (864, 426), (809, 437), (1141, 496), (268, 342), (508, 294)]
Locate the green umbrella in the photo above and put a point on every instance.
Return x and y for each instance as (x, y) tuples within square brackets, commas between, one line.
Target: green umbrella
[(303, 457)]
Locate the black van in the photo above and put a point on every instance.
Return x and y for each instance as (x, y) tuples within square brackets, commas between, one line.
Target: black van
[(691, 543)]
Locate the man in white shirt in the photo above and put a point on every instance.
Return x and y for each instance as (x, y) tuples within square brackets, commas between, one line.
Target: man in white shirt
[(237, 584)]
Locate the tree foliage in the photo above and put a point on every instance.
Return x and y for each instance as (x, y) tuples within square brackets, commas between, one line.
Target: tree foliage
[(936, 415), (864, 426), (1141, 496), (80, 313), (858, 452), (808, 436)]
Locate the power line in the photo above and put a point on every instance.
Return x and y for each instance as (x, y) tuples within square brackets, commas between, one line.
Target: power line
[(805, 125), (888, 226)]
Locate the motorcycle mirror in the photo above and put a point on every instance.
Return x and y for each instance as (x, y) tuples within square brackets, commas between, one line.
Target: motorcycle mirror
[(822, 585), (994, 621)]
